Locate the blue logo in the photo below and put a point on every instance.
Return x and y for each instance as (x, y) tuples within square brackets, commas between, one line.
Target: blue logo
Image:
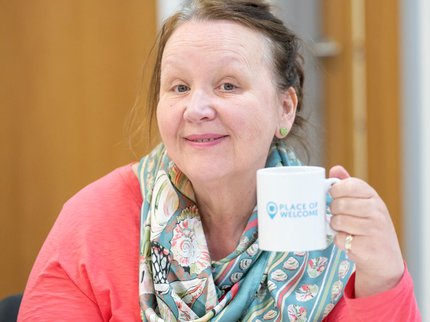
[(292, 210), (272, 209)]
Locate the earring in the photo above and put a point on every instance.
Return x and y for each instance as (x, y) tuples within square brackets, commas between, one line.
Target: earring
[(283, 131)]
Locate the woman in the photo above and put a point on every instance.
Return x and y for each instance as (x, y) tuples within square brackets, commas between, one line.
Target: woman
[(227, 90)]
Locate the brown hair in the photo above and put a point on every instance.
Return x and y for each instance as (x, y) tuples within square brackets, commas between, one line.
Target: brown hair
[(254, 14)]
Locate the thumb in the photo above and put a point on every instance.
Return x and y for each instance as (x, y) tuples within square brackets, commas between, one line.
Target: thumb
[(338, 172)]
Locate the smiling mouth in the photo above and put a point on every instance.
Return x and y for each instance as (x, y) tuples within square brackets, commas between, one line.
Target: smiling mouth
[(205, 140)]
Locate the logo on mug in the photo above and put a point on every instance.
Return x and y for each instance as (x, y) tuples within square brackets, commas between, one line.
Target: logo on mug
[(272, 209), (294, 210)]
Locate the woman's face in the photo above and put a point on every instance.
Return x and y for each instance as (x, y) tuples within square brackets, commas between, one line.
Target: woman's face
[(219, 107)]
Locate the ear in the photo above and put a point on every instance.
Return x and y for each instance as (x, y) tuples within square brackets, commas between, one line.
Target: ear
[(288, 107)]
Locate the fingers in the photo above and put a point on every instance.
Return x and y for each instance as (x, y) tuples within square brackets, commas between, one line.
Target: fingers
[(355, 250), (338, 172), (359, 216), (352, 188), (356, 207), (340, 241), (355, 245), (365, 231), (351, 225)]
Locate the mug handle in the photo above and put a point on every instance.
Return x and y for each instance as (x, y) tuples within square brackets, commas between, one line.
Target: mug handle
[(328, 184)]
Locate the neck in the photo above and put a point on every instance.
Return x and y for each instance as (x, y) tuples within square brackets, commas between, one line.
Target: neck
[(225, 210)]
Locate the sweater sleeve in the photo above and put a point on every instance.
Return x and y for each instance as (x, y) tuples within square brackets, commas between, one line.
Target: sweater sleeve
[(53, 296), (397, 304), (87, 269)]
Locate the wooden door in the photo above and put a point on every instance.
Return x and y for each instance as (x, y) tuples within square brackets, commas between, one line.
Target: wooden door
[(363, 95), (69, 73)]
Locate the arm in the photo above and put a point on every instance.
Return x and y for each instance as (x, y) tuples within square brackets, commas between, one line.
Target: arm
[(397, 304), (87, 269), (52, 296), (58, 288)]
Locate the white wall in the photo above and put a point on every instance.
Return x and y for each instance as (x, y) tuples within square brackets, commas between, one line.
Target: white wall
[(416, 144), (304, 18), (165, 8)]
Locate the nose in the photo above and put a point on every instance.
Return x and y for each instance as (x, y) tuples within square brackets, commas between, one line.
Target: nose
[(199, 107)]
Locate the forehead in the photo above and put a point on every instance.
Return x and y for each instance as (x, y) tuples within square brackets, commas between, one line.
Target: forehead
[(218, 36)]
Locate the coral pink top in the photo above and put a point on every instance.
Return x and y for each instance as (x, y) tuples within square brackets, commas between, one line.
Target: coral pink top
[(87, 269)]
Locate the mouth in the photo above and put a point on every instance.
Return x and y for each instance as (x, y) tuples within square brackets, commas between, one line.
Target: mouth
[(205, 140), (208, 138)]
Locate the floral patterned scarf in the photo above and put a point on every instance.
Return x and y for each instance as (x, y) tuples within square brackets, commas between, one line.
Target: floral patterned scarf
[(179, 282)]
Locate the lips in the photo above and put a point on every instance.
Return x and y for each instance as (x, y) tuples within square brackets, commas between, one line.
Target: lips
[(205, 138)]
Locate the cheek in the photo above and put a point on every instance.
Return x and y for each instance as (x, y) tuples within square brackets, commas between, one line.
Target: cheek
[(262, 127), (166, 120), (256, 137)]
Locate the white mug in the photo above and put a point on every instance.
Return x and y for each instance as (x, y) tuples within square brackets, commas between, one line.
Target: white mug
[(292, 209)]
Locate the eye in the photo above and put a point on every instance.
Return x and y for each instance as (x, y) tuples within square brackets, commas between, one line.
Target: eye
[(228, 87), (181, 88)]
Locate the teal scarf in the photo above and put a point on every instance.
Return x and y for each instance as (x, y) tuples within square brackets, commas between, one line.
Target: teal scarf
[(179, 282)]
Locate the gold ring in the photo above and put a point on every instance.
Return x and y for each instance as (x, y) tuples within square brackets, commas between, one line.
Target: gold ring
[(348, 241)]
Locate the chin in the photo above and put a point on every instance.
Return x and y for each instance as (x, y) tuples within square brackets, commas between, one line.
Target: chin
[(205, 171)]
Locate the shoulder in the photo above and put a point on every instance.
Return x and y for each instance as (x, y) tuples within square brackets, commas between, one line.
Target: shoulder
[(104, 212), (118, 189), (92, 250), (116, 196)]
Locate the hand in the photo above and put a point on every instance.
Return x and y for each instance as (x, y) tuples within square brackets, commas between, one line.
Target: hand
[(359, 211)]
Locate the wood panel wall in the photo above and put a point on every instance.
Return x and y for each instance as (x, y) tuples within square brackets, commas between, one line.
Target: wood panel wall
[(378, 52), (69, 74), (384, 104)]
